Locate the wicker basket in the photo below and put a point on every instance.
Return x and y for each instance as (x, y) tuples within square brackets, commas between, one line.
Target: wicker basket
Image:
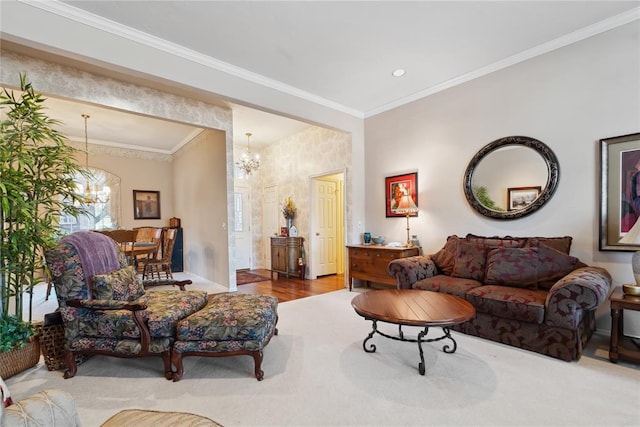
[(52, 345), (14, 361)]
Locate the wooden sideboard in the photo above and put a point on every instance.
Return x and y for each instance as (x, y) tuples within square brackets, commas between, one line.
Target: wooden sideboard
[(369, 262), (285, 252)]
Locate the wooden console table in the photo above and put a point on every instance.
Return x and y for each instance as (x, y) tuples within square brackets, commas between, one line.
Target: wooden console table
[(369, 262), (621, 346), (285, 252)]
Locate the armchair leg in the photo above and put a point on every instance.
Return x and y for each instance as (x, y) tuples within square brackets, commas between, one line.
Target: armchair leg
[(70, 361), (176, 359), (166, 360)]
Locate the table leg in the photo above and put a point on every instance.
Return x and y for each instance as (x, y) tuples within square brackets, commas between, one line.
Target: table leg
[(372, 347), (616, 331), (421, 367)]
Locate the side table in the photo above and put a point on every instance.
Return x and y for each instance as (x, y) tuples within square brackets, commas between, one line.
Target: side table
[(621, 346)]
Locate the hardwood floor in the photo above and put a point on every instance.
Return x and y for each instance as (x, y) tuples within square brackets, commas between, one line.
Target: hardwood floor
[(289, 288)]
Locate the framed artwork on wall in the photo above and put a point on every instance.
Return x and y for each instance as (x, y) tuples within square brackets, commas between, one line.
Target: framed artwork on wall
[(620, 193), (520, 197), (401, 195), (146, 204)]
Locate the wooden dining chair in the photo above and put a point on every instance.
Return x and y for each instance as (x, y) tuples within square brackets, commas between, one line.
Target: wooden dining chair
[(148, 235), (155, 266)]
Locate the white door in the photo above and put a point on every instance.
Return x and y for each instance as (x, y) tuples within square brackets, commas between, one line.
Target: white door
[(325, 226), (242, 207), (270, 225)]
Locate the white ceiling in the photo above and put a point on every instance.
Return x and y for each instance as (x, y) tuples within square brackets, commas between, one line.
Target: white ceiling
[(338, 53)]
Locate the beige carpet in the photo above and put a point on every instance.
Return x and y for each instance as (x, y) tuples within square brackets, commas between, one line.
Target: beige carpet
[(317, 374)]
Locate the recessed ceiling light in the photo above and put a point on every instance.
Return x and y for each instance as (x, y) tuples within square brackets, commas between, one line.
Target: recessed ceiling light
[(398, 73)]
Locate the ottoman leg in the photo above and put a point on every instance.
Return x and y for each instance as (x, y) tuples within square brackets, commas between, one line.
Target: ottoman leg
[(257, 361), (176, 359), (166, 361), (70, 361)]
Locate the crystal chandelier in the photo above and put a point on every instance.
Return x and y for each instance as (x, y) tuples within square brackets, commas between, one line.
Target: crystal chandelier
[(247, 163), (95, 195)]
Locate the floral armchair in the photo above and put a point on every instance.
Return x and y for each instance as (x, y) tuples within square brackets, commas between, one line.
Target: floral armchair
[(105, 307)]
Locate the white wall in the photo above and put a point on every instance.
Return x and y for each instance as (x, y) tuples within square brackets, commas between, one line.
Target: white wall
[(199, 178), (568, 99)]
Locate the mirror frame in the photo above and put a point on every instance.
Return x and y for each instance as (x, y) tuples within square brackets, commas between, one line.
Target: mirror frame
[(553, 176)]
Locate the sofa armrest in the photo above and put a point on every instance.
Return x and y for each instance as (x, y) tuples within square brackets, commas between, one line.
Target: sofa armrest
[(583, 289), (409, 270)]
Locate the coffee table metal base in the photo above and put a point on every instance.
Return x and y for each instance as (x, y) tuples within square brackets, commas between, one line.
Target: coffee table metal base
[(419, 340)]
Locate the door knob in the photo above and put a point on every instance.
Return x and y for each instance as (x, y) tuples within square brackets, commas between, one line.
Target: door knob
[(317, 234)]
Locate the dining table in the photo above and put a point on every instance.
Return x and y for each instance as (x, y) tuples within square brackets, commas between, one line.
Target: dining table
[(133, 249)]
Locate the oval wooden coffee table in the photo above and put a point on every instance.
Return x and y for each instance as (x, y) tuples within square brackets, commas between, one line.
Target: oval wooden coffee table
[(410, 307)]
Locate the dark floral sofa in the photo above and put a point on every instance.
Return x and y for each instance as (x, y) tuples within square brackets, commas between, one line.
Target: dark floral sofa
[(105, 307), (528, 292)]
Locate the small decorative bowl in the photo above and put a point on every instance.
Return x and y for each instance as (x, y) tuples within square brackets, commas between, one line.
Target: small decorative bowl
[(629, 289), (378, 240)]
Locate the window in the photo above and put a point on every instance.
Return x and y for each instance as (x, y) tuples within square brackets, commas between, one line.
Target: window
[(102, 215)]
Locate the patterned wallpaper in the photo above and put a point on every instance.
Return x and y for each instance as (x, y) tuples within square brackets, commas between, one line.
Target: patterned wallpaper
[(289, 164)]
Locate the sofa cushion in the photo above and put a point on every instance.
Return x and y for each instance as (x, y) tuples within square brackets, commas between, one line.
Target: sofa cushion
[(515, 267), (470, 260), (444, 259), (447, 285), (508, 302), (562, 244), (121, 285), (496, 241)]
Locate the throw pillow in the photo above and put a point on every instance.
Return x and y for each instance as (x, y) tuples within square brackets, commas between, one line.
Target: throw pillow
[(121, 285), (553, 265), (516, 267), (470, 261), (444, 259)]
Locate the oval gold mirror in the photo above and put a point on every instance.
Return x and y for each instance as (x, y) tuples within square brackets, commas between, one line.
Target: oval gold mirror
[(511, 177)]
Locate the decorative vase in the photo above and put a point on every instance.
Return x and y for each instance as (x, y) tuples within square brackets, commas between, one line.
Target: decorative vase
[(289, 223), (366, 238), (635, 266)]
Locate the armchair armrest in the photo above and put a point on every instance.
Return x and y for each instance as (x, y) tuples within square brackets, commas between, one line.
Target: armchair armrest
[(409, 270), (106, 304), (583, 289)]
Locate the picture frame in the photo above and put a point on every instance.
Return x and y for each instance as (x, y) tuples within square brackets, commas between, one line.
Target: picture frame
[(620, 193), (284, 232), (401, 195), (519, 197), (146, 204)]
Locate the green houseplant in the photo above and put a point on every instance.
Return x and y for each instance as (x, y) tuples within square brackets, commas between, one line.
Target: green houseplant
[(37, 186)]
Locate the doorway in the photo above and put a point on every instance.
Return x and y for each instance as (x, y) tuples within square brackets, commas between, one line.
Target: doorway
[(326, 235)]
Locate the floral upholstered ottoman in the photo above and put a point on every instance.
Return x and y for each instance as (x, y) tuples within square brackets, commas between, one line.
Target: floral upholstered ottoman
[(230, 324)]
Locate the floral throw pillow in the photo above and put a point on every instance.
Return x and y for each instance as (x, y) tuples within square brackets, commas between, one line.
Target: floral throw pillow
[(121, 285), (470, 261), (516, 267)]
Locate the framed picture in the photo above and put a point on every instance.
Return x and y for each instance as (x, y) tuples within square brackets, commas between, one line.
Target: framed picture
[(620, 193), (401, 195), (146, 204), (284, 232), (519, 197)]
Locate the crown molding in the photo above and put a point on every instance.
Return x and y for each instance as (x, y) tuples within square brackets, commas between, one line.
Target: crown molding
[(70, 12), (560, 42)]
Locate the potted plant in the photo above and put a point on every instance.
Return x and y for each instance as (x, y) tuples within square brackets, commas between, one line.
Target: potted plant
[(37, 186)]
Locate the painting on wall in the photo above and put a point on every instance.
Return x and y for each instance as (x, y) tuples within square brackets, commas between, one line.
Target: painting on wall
[(520, 197), (146, 204), (620, 193), (401, 195)]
